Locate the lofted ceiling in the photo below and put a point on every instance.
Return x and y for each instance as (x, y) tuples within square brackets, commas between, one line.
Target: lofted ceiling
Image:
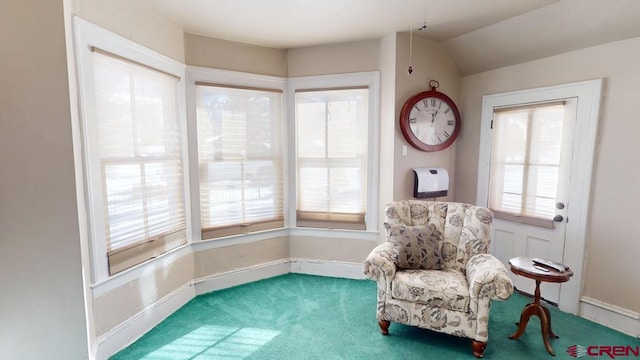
[(479, 35)]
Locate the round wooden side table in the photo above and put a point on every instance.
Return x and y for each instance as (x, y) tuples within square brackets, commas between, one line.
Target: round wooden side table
[(525, 266)]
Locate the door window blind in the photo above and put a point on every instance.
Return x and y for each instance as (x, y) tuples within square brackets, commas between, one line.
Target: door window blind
[(525, 162), (140, 155), (240, 157), (331, 157)]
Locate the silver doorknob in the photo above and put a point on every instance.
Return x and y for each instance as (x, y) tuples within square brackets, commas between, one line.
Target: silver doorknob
[(558, 218)]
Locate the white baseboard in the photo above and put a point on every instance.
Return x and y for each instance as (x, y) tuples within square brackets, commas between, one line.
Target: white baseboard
[(134, 327), (241, 276), (612, 316), (334, 268)]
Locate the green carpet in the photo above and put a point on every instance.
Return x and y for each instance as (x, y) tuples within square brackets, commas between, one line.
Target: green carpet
[(298, 316)]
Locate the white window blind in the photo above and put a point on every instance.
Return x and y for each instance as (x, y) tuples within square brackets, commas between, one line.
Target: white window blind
[(331, 156), (525, 162), (240, 156), (137, 141)]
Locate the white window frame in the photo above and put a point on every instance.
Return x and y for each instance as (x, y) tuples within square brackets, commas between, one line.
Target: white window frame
[(371, 80), (196, 74), (87, 36)]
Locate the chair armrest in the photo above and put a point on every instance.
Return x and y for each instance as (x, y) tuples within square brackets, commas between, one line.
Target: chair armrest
[(379, 264), (488, 277)]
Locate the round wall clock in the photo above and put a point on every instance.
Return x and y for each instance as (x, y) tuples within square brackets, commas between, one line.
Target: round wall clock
[(430, 120)]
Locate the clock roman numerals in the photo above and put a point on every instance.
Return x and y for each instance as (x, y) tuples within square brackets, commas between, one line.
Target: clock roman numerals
[(431, 105), (430, 121)]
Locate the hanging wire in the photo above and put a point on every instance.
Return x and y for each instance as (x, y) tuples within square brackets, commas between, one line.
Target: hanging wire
[(424, 24), (423, 27), (410, 69)]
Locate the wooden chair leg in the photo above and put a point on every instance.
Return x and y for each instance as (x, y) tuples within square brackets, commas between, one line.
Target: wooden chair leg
[(384, 326), (478, 348)]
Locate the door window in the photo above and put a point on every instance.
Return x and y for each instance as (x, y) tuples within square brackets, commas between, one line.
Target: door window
[(525, 162)]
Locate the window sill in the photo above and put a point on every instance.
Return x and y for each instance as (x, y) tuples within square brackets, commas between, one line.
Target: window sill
[(162, 261), (239, 239), (334, 233)]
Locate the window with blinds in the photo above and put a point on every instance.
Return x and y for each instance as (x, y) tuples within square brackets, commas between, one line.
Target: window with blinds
[(134, 138), (240, 159), (331, 157), (525, 162)]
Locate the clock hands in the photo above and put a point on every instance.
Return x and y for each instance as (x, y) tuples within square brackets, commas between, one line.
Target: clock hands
[(435, 114), (438, 109)]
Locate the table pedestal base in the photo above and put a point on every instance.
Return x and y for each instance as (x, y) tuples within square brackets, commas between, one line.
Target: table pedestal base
[(535, 308)]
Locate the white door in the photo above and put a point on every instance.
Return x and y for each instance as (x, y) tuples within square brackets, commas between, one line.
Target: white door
[(530, 175), (528, 183)]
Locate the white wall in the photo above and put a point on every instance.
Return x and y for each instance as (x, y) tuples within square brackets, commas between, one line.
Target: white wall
[(133, 20), (355, 56), (613, 246), (228, 55), (42, 312), (430, 62)]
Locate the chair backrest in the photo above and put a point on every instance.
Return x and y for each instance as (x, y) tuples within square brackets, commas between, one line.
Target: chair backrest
[(463, 230)]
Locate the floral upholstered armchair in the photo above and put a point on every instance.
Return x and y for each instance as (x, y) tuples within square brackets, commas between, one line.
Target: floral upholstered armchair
[(435, 272)]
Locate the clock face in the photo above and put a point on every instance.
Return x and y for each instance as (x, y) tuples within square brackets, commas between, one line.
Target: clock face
[(430, 121)]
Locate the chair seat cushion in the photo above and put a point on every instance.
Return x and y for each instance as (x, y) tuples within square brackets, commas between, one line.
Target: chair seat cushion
[(438, 288)]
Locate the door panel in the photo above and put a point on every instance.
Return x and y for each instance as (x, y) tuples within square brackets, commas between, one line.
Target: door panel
[(511, 239), (503, 243)]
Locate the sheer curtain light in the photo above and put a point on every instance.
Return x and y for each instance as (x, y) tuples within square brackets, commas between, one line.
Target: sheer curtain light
[(525, 161), (331, 128), (240, 157), (140, 169)]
